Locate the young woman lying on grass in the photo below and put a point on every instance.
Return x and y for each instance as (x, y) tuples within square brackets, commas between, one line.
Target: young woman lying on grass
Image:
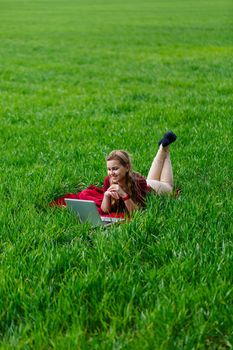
[(125, 190)]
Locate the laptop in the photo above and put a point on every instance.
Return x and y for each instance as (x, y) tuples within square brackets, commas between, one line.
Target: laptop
[(88, 212)]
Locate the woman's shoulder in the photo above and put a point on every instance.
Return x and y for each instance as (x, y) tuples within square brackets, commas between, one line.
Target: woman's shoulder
[(139, 178), (140, 188), (140, 181)]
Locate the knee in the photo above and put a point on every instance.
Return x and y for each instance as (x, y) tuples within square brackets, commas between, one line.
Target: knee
[(160, 187), (165, 189), (169, 189)]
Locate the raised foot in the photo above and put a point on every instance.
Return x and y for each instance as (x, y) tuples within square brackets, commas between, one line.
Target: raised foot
[(167, 139)]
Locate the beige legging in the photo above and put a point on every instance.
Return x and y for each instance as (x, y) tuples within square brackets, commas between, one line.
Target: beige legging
[(160, 176)]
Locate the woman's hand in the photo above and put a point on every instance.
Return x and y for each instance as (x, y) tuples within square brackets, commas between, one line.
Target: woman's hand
[(116, 191), (112, 194)]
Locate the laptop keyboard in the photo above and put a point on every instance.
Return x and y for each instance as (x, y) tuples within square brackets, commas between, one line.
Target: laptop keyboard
[(107, 219)]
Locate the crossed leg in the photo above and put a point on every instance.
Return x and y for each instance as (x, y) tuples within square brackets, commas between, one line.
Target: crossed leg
[(160, 176)]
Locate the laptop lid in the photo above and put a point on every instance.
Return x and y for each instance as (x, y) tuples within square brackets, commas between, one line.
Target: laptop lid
[(86, 211)]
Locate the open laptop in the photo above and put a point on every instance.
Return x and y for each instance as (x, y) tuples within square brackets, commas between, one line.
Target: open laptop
[(88, 212)]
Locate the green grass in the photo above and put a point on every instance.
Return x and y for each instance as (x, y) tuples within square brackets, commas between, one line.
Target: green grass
[(78, 79)]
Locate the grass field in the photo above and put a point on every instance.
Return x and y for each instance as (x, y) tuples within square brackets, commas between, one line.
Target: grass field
[(78, 79)]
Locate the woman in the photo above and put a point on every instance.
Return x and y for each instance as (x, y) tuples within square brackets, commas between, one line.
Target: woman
[(125, 189)]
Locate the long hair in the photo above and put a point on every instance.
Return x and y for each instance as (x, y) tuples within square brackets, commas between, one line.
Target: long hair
[(124, 159)]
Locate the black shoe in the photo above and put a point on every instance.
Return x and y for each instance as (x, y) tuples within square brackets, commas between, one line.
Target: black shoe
[(168, 138)]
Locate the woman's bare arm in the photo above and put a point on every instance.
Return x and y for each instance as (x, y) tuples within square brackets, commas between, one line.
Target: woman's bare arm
[(117, 191), (106, 203), (130, 205)]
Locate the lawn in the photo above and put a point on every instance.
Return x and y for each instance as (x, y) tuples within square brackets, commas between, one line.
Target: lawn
[(78, 79)]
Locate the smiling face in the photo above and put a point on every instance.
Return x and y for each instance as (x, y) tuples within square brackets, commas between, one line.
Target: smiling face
[(116, 171)]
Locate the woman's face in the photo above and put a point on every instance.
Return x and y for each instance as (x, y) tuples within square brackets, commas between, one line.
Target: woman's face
[(116, 171)]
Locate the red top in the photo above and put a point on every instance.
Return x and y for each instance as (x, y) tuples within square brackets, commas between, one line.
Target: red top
[(141, 190), (97, 193)]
